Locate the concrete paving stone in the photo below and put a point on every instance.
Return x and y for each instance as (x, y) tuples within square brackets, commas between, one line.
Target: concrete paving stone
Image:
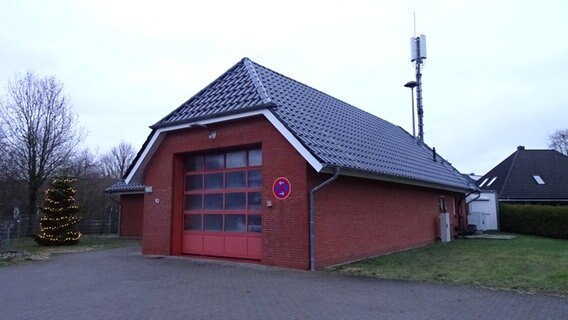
[(123, 284)]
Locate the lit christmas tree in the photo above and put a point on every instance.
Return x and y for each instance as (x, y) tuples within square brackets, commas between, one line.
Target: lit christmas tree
[(57, 225)]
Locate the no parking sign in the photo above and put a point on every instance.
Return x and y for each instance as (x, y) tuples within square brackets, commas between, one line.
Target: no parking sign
[(281, 188)]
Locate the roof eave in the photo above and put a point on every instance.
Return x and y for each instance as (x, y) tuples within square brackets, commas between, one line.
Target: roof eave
[(122, 192), (396, 179)]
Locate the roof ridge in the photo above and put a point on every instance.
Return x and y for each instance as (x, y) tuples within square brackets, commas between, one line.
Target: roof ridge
[(509, 172), (256, 80)]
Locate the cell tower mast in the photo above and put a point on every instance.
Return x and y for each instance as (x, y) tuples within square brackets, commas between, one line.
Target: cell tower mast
[(417, 55)]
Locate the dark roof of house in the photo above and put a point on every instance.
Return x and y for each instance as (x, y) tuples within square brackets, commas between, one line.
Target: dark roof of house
[(334, 132), (514, 178), (122, 187)]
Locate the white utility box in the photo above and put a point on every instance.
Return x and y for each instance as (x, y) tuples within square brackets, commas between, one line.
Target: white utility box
[(445, 227)]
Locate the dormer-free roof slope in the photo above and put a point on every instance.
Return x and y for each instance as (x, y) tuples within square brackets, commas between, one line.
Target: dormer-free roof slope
[(540, 175), (335, 133)]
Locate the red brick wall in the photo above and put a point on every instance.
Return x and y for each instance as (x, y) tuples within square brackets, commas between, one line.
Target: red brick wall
[(355, 218), (131, 214), (358, 218), (285, 225)]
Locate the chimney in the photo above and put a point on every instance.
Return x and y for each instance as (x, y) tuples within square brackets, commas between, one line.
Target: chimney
[(519, 148)]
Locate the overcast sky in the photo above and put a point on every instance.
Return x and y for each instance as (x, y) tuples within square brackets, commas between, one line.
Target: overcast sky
[(495, 75)]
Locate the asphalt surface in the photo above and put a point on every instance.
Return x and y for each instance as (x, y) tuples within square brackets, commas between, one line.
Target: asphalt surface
[(122, 284)]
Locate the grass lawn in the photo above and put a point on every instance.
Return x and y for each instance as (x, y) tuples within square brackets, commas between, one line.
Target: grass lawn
[(526, 263), (31, 251)]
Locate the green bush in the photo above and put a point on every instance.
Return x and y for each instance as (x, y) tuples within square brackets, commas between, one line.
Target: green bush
[(547, 221)]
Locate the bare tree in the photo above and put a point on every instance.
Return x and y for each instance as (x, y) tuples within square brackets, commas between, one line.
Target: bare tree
[(6, 189), (3, 153), (98, 211), (559, 141), (84, 164), (40, 131), (117, 160)]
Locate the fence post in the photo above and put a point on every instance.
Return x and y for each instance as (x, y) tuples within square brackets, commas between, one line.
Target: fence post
[(109, 221), (16, 216), (8, 234)]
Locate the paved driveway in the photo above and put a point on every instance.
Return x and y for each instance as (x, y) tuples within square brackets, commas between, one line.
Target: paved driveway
[(122, 284)]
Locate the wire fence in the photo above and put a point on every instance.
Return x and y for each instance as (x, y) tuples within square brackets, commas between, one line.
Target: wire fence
[(28, 225)]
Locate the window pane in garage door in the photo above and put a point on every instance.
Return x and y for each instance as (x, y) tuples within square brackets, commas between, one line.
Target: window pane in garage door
[(254, 200), (255, 157), (236, 179), (193, 182), (213, 181), (236, 159), (193, 202), (235, 222), (254, 179), (194, 163), (213, 222), (214, 161), (213, 201), (192, 222), (254, 223), (235, 201)]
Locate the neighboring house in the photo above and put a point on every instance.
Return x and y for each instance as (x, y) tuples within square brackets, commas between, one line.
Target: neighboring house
[(261, 167), (483, 210), (482, 207), (529, 176)]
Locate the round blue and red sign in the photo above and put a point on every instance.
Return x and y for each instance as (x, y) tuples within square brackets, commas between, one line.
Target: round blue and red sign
[(281, 188)]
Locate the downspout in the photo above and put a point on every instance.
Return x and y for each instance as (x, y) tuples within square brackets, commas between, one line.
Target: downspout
[(468, 194), (312, 217)]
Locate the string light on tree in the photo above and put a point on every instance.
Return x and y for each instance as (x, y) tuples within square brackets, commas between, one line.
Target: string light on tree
[(57, 225)]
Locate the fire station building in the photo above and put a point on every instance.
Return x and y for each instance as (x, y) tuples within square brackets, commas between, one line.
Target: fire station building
[(260, 167)]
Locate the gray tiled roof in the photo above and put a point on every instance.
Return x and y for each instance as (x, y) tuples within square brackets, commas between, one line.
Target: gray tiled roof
[(334, 132), (234, 91), (122, 187)]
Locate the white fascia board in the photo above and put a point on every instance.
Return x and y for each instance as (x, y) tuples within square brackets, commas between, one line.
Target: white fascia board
[(293, 141), (137, 171)]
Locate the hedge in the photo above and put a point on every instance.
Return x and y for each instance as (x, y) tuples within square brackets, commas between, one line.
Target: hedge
[(541, 220)]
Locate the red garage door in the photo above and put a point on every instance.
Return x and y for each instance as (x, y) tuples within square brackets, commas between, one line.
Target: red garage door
[(222, 204)]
